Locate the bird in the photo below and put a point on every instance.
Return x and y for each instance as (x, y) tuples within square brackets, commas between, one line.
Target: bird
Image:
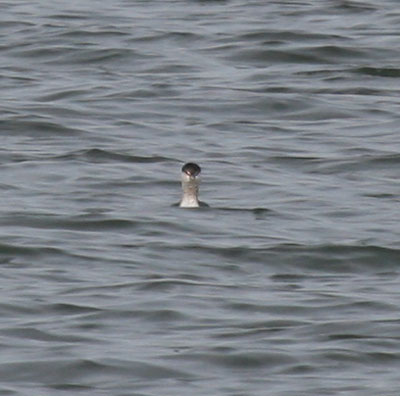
[(190, 186)]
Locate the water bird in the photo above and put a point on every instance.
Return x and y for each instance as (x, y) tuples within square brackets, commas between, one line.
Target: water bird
[(190, 186)]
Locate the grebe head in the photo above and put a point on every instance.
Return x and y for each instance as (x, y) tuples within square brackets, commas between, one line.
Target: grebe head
[(190, 185), (190, 171)]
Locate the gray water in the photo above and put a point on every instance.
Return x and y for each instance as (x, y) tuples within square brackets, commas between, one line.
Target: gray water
[(287, 285)]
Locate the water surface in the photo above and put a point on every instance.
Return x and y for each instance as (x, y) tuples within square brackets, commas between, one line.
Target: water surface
[(287, 284)]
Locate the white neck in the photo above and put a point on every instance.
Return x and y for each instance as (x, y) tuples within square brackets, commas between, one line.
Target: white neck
[(190, 194)]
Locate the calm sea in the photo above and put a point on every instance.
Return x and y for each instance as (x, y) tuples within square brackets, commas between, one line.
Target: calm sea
[(288, 285)]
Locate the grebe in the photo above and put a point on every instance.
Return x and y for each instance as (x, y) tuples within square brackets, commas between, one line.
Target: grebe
[(190, 186)]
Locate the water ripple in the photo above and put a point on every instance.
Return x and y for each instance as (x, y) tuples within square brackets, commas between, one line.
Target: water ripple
[(288, 281)]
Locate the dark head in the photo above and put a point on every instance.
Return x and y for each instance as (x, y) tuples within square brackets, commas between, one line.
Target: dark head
[(191, 169)]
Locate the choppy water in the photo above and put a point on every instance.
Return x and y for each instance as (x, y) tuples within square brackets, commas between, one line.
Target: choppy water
[(287, 285)]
